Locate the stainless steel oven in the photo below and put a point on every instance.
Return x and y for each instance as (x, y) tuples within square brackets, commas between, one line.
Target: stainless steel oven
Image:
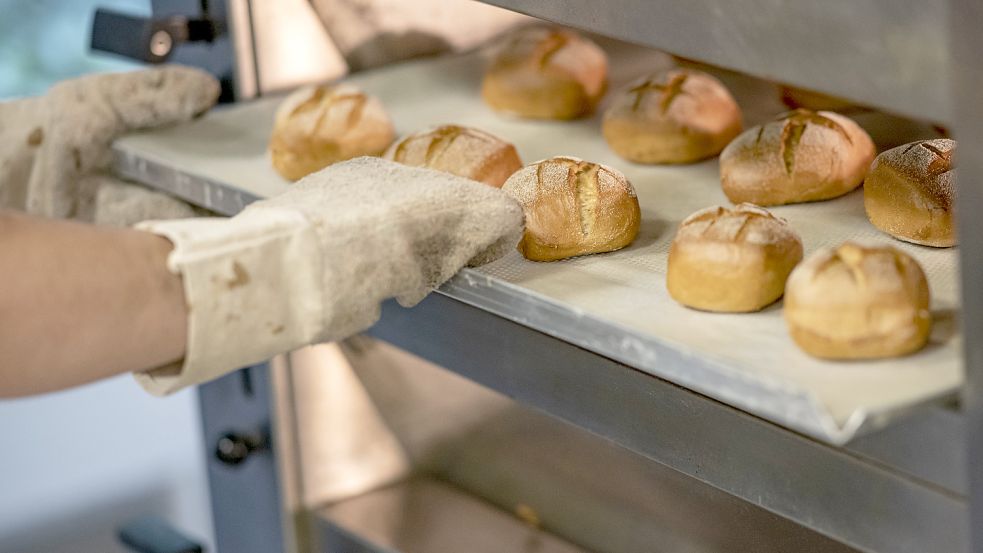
[(490, 419)]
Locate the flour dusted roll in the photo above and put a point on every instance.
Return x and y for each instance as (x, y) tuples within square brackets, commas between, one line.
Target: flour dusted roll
[(802, 156), (320, 125), (463, 151), (731, 260), (856, 302), (910, 192), (573, 207), (546, 73), (677, 116)]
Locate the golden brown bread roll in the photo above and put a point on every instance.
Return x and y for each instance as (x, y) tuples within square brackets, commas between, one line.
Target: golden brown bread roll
[(858, 302), (802, 156), (463, 151), (317, 126), (546, 73), (677, 116), (910, 191), (573, 207), (731, 260)]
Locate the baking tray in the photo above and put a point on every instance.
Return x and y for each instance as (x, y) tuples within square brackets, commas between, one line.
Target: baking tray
[(613, 304)]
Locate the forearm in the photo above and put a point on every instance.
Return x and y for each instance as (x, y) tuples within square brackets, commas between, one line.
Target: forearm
[(79, 303)]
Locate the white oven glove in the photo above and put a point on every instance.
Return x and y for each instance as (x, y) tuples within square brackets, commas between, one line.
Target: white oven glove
[(54, 149), (313, 264)]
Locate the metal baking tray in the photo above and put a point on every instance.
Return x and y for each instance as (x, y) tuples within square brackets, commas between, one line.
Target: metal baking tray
[(613, 304), (425, 515)]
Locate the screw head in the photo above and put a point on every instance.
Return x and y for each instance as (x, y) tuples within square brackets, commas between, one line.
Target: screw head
[(231, 449), (161, 43)]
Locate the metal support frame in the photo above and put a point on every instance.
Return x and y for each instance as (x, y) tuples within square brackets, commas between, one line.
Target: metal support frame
[(927, 64), (245, 490), (218, 57), (967, 75), (862, 500), (854, 501), (890, 54)]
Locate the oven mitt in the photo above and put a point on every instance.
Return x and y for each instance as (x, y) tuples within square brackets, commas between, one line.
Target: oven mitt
[(122, 204), (313, 264), (52, 146)]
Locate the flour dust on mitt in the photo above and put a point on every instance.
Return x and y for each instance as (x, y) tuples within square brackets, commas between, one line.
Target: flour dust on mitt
[(313, 264)]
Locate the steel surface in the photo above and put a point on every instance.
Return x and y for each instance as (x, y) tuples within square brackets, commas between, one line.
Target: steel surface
[(892, 54)]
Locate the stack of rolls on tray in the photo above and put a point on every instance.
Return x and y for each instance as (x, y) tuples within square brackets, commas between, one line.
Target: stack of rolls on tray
[(847, 302), (852, 302)]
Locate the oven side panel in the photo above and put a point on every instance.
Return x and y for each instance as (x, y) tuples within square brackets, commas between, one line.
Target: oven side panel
[(245, 493)]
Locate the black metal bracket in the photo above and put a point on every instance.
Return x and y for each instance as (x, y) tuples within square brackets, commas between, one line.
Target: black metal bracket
[(236, 411), (152, 40)]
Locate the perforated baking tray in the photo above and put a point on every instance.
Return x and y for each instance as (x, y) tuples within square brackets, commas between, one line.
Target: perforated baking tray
[(614, 304)]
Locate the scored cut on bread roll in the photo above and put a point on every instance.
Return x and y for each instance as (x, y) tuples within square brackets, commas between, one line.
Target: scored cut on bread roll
[(676, 116), (546, 73), (463, 151), (320, 125), (910, 192), (731, 260), (857, 302), (573, 207), (802, 156)]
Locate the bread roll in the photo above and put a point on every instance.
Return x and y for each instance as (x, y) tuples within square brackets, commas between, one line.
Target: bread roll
[(803, 156), (858, 302), (677, 116), (731, 260), (463, 151), (546, 73), (910, 192), (573, 207), (317, 126)]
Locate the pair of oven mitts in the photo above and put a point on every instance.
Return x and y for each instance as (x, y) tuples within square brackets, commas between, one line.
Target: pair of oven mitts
[(311, 265)]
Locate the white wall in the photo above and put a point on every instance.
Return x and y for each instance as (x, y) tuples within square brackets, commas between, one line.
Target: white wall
[(74, 465)]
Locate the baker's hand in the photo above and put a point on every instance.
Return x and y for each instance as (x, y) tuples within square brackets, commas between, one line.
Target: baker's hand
[(313, 264), (52, 146)]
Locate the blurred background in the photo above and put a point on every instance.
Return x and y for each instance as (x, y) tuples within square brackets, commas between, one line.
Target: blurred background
[(75, 464), (44, 41)]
